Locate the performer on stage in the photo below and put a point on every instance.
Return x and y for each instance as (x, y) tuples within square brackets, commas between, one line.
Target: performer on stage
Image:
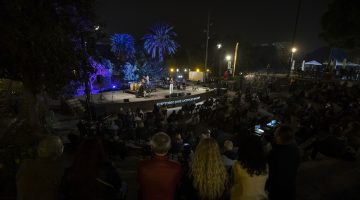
[(147, 80), (171, 85)]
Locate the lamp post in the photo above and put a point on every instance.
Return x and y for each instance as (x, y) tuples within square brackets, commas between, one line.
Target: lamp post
[(228, 59), (292, 64), (293, 51), (235, 57), (219, 46)]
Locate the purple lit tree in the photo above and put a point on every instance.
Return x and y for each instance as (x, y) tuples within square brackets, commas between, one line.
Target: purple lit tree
[(98, 70)]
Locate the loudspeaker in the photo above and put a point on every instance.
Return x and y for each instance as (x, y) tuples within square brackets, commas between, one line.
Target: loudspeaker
[(181, 94), (99, 79), (126, 100), (167, 96), (174, 95), (189, 93)]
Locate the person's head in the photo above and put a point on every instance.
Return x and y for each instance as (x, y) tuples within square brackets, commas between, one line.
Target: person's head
[(228, 145), (160, 143), (284, 135), (88, 158), (251, 155), (50, 147), (207, 170)]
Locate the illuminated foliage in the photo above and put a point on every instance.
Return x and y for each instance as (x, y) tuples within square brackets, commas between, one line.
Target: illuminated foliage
[(123, 46), (160, 41)]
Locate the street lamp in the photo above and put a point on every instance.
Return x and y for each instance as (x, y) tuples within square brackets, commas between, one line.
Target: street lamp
[(293, 51), (172, 70), (292, 63), (177, 70), (228, 59), (219, 46)]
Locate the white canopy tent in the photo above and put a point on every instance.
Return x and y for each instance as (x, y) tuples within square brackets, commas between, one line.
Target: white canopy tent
[(313, 62), (350, 64), (310, 64)]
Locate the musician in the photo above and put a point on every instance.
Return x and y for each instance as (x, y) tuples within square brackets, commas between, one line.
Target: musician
[(184, 84), (147, 80), (171, 87)]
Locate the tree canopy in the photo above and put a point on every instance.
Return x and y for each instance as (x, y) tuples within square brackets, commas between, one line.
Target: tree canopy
[(42, 41), (123, 46), (341, 24), (160, 41)]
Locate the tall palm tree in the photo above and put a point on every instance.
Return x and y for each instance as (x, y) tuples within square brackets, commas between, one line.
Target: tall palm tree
[(123, 46), (160, 41)]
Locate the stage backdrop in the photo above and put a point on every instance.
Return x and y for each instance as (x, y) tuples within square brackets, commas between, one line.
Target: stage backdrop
[(196, 76)]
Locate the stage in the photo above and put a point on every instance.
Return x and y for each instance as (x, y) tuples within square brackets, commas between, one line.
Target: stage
[(110, 102)]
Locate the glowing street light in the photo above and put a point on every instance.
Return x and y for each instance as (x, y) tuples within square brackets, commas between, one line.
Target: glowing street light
[(207, 70), (197, 70), (219, 46), (185, 70), (172, 70), (293, 51), (228, 59), (97, 27), (292, 62), (177, 70)]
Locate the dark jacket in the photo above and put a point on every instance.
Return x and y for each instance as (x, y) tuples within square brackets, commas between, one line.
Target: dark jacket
[(284, 162), (158, 178), (107, 185)]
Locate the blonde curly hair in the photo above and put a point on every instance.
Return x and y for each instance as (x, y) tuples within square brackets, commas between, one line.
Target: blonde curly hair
[(208, 171)]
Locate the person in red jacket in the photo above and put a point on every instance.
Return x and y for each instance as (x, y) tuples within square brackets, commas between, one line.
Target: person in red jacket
[(159, 177)]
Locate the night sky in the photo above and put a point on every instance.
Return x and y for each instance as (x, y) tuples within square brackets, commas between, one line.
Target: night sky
[(255, 21)]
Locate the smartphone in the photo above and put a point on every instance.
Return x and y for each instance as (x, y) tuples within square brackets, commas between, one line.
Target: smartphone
[(273, 123), (258, 130)]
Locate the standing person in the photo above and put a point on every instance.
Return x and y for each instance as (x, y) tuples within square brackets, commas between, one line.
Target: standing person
[(147, 80), (159, 177), (250, 171), (284, 161), (171, 87), (40, 179), (91, 176), (207, 177)]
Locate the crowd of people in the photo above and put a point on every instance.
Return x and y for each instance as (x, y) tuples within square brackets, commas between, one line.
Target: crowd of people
[(247, 144)]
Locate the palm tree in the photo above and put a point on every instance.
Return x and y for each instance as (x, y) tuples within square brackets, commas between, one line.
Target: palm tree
[(123, 46), (160, 41)]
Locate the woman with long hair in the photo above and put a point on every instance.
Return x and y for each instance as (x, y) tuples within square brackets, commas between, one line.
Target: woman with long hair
[(207, 171), (91, 176), (250, 171)]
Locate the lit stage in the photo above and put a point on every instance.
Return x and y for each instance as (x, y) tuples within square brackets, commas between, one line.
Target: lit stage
[(110, 102)]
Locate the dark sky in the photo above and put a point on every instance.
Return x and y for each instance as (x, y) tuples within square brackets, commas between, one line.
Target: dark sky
[(256, 21)]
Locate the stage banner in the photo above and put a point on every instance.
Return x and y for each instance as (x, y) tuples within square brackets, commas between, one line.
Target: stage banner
[(196, 76)]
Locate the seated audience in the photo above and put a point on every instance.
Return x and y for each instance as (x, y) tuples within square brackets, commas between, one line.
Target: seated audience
[(284, 160), (40, 178), (159, 177), (91, 175), (229, 156), (250, 171)]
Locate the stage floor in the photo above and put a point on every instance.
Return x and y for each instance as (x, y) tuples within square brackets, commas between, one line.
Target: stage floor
[(119, 95)]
